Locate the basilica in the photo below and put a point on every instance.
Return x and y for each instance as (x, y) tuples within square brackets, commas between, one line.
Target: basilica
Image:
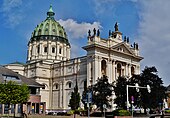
[(49, 62)]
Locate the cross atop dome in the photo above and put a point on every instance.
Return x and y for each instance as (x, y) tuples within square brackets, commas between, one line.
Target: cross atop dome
[(50, 13)]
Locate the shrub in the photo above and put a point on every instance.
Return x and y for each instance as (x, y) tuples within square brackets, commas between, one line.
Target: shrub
[(71, 112), (121, 112), (167, 111)]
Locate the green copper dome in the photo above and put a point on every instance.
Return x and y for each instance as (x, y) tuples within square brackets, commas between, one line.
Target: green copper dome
[(50, 29)]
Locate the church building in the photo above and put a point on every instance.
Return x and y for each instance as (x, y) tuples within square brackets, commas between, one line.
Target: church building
[(49, 62)]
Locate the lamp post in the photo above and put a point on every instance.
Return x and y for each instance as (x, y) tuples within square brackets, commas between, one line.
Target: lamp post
[(137, 89)]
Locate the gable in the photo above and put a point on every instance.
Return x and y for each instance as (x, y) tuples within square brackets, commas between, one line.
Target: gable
[(124, 48)]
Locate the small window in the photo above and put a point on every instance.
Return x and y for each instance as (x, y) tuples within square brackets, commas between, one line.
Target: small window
[(38, 49), (60, 50), (56, 86), (53, 49), (69, 85), (45, 49)]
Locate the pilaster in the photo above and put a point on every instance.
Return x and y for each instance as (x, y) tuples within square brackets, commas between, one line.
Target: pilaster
[(109, 70), (113, 71)]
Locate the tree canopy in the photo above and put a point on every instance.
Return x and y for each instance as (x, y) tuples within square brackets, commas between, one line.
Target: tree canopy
[(11, 93), (120, 92), (101, 93), (75, 98), (143, 99)]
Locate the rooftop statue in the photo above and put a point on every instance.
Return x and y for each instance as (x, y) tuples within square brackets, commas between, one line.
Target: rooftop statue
[(116, 27)]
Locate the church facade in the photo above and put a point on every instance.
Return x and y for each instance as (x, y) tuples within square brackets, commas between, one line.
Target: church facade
[(49, 62)]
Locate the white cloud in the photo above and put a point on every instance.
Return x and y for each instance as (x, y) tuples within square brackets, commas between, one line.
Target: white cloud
[(154, 36), (78, 30), (8, 5), (76, 34), (102, 6), (107, 6), (11, 13)]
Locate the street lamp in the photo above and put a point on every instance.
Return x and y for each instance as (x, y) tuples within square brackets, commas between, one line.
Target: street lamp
[(137, 89)]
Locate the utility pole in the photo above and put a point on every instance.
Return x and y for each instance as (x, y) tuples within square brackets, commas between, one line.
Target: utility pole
[(137, 89)]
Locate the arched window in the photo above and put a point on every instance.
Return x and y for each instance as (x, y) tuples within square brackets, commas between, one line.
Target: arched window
[(56, 86), (103, 67), (132, 70), (53, 49), (119, 68), (60, 50), (38, 49), (69, 85), (45, 49)]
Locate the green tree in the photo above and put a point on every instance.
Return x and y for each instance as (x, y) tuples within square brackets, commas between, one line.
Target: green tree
[(143, 98), (12, 93), (120, 92), (102, 92), (150, 77), (75, 98)]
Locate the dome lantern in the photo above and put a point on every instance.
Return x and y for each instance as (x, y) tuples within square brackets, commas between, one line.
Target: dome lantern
[(50, 13)]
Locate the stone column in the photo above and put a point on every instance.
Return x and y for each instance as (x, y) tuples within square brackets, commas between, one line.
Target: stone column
[(64, 52), (60, 95), (126, 70), (88, 70), (113, 71), (95, 69), (99, 66), (33, 50), (109, 70), (41, 49), (64, 94), (29, 52), (50, 93), (116, 71), (49, 50), (130, 70)]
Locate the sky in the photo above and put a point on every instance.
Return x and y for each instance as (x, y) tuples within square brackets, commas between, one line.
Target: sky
[(146, 22)]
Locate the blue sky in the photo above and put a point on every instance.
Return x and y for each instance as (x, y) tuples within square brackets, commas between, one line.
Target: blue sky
[(144, 21)]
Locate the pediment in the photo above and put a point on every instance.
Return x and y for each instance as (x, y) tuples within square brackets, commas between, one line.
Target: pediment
[(124, 48)]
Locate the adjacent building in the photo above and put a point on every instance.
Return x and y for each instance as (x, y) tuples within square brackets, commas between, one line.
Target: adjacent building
[(33, 105), (49, 62)]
